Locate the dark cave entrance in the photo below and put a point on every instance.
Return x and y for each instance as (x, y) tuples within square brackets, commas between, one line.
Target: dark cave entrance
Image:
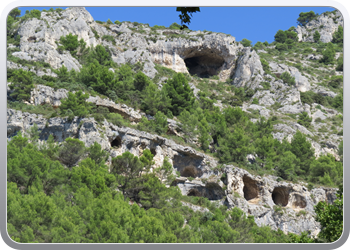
[(280, 196), (117, 142), (250, 188), (204, 63), (190, 171), (186, 165), (194, 192), (153, 151)]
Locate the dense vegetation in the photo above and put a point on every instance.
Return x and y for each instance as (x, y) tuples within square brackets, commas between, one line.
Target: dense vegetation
[(48, 202), (65, 193)]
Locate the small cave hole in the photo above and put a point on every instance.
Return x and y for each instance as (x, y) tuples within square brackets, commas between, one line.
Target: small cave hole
[(117, 142), (298, 201), (194, 192), (250, 188), (280, 196), (153, 151)]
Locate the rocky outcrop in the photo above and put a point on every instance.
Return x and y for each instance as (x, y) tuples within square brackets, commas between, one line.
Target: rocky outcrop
[(249, 70), (301, 82), (42, 94), (195, 52), (122, 109), (280, 205), (116, 140), (38, 72), (203, 54), (326, 24)]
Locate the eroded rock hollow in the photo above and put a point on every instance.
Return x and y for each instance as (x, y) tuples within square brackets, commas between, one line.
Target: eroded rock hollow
[(203, 63), (250, 188), (280, 196), (298, 201)]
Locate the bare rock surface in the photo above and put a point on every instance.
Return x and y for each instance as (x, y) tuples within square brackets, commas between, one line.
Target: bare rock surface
[(326, 24)]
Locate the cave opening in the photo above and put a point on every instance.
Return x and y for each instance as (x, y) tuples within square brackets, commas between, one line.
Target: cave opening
[(250, 188), (204, 63), (117, 142), (280, 196), (214, 191), (298, 201), (194, 192), (186, 165), (153, 151), (189, 171)]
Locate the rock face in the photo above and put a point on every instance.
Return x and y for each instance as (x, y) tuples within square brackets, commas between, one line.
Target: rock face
[(38, 72), (326, 24), (280, 205), (277, 204), (203, 54), (42, 94), (39, 37), (198, 53), (301, 82)]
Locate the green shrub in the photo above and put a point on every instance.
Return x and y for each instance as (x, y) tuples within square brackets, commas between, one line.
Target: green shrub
[(317, 36), (336, 81), (308, 51), (328, 55), (75, 104), (265, 65), (287, 78), (109, 38), (304, 119), (266, 85), (281, 47), (175, 26), (246, 43)]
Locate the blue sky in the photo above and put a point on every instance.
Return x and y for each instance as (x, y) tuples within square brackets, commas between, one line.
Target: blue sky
[(252, 23)]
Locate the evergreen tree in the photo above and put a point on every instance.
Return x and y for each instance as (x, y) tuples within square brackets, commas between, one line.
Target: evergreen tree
[(155, 100), (204, 136), (306, 17), (317, 36), (97, 154), (70, 43), (331, 218), (180, 94), (287, 78), (302, 149), (246, 42), (304, 119), (21, 84), (328, 54), (76, 103), (338, 36), (71, 151), (129, 167), (280, 36)]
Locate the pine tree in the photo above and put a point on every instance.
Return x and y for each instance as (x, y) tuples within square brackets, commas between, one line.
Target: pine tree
[(180, 94), (21, 84)]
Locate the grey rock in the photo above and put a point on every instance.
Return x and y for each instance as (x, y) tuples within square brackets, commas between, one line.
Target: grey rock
[(301, 82), (325, 24), (249, 70)]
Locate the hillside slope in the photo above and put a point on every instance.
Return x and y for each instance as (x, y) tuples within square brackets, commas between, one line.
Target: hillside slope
[(255, 128)]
